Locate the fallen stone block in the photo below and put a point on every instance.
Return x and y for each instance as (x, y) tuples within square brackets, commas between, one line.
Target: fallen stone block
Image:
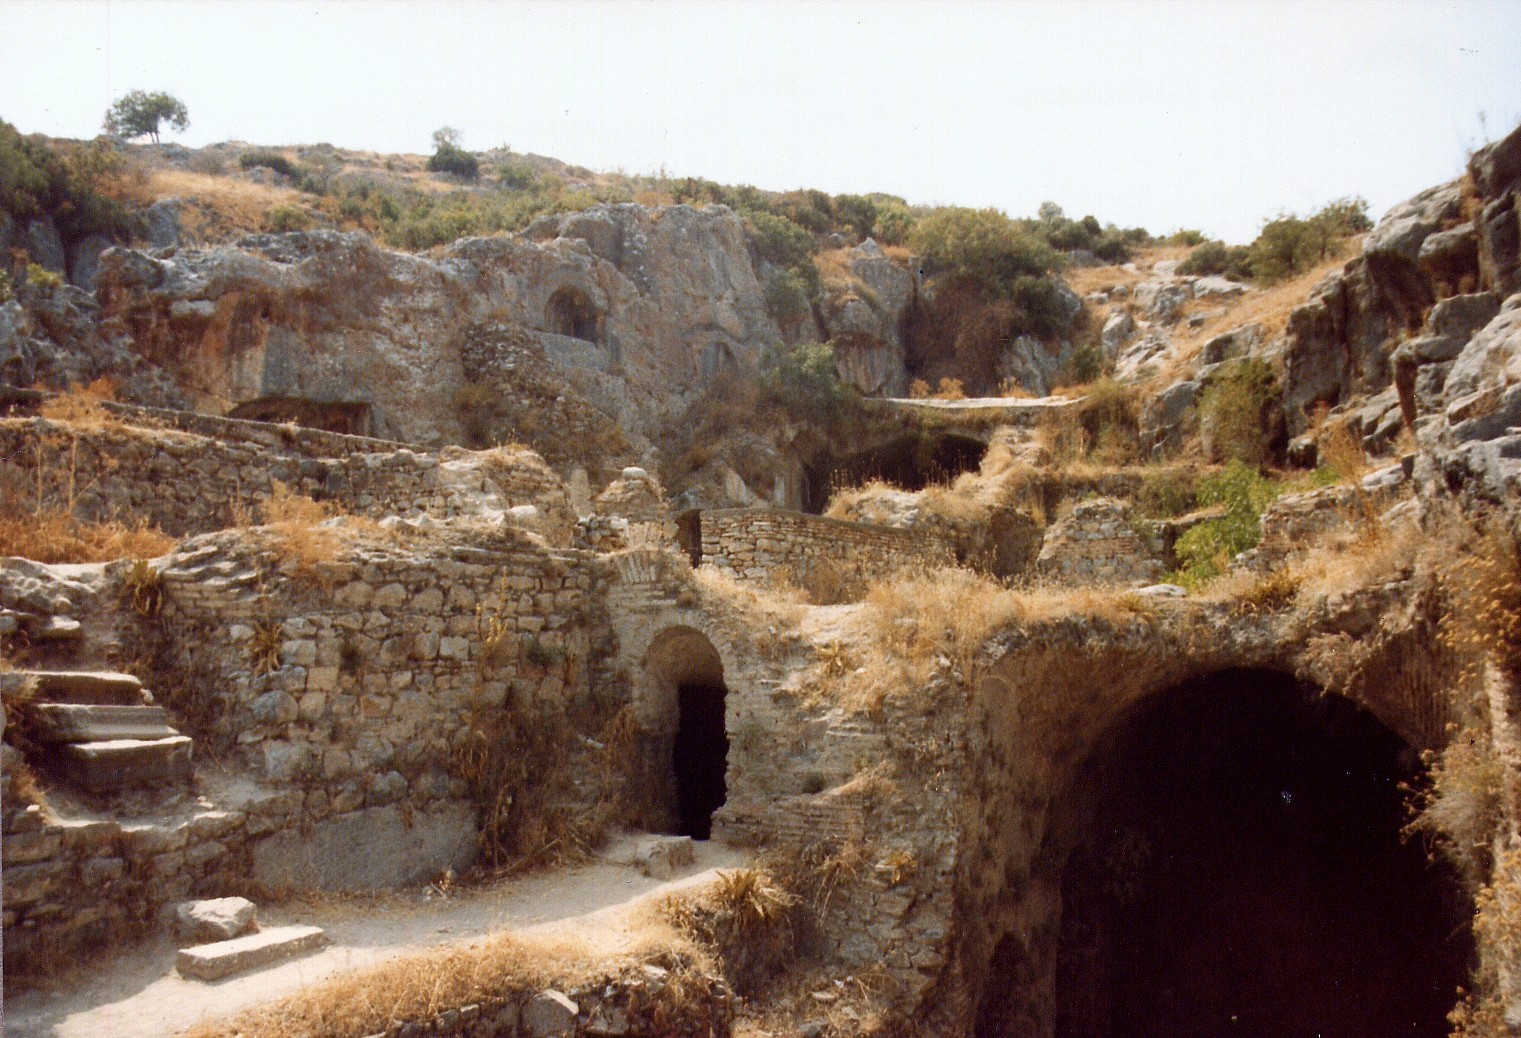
[(661, 857), (225, 958), (214, 919), (551, 1014)]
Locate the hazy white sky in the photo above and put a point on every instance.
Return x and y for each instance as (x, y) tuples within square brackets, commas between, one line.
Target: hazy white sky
[(1213, 115)]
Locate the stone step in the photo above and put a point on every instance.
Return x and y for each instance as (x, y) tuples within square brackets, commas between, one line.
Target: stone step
[(94, 687), (110, 765), (56, 629), (224, 958), (82, 722)]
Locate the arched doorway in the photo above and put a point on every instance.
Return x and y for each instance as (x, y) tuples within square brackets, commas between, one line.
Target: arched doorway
[(570, 312), (1230, 862), (692, 674)]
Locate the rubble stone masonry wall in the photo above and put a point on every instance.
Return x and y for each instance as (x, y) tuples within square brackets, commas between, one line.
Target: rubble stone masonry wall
[(188, 483), (766, 545), (350, 697)]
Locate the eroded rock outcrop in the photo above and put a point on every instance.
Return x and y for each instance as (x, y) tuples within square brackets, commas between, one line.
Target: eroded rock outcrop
[(657, 301), (864, 320)]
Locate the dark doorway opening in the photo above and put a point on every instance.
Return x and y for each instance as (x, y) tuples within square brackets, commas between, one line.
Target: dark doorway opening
[(700, 756), (909, 462), (689, 534), (1239, 870), (571, 313), (695, 749)]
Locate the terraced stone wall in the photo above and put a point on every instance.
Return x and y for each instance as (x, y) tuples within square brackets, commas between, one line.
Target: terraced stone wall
[(187, 482), (809, 550)]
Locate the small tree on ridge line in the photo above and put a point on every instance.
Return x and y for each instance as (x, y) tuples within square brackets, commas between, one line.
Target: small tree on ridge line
[(138, 114)]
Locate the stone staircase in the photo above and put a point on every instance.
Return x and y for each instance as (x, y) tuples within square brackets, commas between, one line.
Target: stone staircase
[(103, 734)]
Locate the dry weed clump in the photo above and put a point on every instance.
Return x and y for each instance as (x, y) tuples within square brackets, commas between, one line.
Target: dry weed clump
[(297, 523), (37, 511), (1482, 1013), (935, 613), (417, 988), (56, 536), (82, 406), (748, 918)]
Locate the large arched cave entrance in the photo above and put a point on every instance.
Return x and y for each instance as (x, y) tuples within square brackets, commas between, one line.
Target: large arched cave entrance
[(690, 670), (571, 312), (1231, 863), (910, 462)]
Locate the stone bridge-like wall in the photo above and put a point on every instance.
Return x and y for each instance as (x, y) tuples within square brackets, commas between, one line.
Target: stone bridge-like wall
[(768, 545)]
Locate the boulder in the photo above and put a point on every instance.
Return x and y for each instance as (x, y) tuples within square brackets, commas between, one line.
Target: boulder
[(163, 220), (40, 240), (1449, 256), (1033, 364), (1217, 286), (1117, 331), (1162, 300), (84, 260), (1483, 379), (864, 318), (1164, 416), (1496, 174), (550, 1014), (1405, 227), (215, 919)]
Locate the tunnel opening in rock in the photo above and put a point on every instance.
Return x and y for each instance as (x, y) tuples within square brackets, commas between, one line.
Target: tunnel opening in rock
[(571, 313), (689, 534), (699, 749), (1234, 865), (353, 418), (908, 462)]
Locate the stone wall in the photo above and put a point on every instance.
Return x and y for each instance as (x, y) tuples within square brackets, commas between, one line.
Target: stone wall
[(189, 482), (1096, 544), (809, 550), (335, 716)]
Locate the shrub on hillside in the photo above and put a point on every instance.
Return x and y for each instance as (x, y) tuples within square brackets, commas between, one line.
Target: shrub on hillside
[(1205, 551), (63, 182), (454, 161), (980, 245), (450, 158), (802, 380), (283, 218), (272, 160), (1290, 245), (1215, 258), (1240, 413), (517, 175), (779, 240), (1109, 243), (789, 296)]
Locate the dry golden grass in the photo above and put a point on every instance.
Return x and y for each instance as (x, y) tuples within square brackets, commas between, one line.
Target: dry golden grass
[(834, 269), (56, 536), (296, 521), (748, 608), (236, 204), (1083, 280), (1268, 307), (80, 406), (419, 987), (944, 612)]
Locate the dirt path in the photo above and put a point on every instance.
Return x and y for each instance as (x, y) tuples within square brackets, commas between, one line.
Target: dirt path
[(139, 995)]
